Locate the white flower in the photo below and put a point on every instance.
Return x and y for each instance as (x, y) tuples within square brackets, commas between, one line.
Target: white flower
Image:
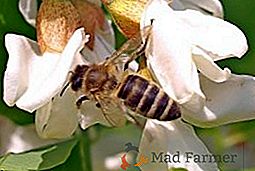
[(177, 48), (183, 42), (33, 81)]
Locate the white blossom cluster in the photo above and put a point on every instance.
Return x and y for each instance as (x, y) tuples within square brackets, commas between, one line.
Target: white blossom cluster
[(184, 44)]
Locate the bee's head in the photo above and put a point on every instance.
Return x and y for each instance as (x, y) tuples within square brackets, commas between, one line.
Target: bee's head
[(77, 77)]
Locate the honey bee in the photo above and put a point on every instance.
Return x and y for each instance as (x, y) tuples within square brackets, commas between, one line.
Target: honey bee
[(116, 91)]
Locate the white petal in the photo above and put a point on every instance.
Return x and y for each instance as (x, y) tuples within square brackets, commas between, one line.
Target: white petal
[(169, 53), (102, 49), (43, 87), (227, 102), (216, 37), (173, 138), (104, 43), (211, 7), (17, 139), (21, 51), (90, 115), (207, 67), (28, 9), (176, 5), (107, 33), (58, 118)]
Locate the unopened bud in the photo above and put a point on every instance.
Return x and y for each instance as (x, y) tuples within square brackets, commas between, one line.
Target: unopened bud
[(126, 14), (92, 18), (58, 19), (56, 22)]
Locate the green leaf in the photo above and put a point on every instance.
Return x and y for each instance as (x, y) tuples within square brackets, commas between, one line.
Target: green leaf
[(39, 159), (80, 158), (74, 162), (25, 161), (58, 155)]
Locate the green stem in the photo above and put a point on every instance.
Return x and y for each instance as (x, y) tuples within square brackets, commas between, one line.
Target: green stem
[(84, 146)]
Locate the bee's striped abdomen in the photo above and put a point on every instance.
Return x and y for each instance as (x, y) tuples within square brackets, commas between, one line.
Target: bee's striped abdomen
[(147, 99)]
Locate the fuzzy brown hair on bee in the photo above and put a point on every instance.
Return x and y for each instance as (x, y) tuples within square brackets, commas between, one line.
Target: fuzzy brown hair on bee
[(93, 80), (116, 91)]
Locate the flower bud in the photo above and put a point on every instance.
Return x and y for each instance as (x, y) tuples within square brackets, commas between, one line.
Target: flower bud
[(56, 22), (58, 19), (126, 14), (91, 16)]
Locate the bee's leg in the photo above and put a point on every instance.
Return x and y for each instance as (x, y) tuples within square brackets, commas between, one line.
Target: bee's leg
[(134, 55), (134, 120), (80, 100), (140, 51), (142, 62)]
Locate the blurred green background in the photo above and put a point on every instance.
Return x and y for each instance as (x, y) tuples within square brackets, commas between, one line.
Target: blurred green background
[(238, 138)]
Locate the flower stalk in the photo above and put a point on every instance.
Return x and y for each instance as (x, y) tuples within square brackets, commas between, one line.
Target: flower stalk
[(84, 149)]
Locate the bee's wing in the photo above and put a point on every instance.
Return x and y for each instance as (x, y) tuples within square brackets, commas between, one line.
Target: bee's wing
[(112, 110), (131, 49)]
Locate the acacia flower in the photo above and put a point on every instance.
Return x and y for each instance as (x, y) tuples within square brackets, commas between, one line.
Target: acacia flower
[(36, 72), (25, 65), (176, 135), (183, 42)]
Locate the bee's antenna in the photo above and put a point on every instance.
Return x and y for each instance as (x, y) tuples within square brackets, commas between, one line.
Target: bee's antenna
[(64, 89)]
